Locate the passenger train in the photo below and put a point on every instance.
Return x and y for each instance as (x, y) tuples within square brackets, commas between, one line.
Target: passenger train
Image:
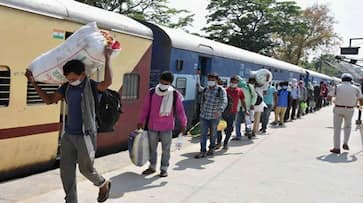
[(30, 130)]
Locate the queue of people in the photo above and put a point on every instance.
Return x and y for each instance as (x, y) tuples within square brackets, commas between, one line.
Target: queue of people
[(241, 102)]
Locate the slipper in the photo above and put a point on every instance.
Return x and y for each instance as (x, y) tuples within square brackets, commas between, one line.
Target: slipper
[(105, 197)]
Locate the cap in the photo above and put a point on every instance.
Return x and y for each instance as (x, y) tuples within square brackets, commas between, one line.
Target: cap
[(347, 76)]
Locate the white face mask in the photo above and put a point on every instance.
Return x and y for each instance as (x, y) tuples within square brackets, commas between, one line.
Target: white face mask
[(163, 87), (75, 83), (234, 85), (211, 83)]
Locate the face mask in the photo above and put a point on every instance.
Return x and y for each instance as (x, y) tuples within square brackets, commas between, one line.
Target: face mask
[(75, 83), (233, 85), (163, 87), (284, 87), (211, 83)]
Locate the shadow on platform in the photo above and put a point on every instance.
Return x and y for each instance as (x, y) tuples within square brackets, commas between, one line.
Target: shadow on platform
[(191, 162), (338, 158), (135, 182)]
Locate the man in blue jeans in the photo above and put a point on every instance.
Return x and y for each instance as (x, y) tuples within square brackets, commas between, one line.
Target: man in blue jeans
[(269, 99), (214, 101)]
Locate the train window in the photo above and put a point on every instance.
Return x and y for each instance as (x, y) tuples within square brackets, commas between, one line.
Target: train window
[(130, 87), (179, 65), (32, 96), (181, 85), (4, 86)]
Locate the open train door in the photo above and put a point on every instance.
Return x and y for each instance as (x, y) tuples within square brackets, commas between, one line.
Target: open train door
[(204, 67)]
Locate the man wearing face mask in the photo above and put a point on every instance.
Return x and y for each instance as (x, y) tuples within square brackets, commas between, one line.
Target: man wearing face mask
[(295, 92), (281, 104), (78, 144), (235, 95), (161, 105), (214, 101)]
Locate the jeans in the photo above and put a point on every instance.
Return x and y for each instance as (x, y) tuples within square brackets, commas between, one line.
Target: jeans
[(239, 119), (229, 118), (165, 138), (266, 116), (294, 106), (206, 125)]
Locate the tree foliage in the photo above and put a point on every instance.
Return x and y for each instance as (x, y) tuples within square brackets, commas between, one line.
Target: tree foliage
[(319, 35), (251, 24), (155, 11)]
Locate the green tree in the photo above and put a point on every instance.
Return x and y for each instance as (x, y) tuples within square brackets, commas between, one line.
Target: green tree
[(318, 35), (155, 11), (251, 24)]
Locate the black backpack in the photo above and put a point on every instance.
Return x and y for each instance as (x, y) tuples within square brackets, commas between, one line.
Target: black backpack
[(228, 108), (108, 108)]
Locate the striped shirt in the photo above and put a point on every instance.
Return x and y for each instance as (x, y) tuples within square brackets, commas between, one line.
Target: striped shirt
[(213, 101)]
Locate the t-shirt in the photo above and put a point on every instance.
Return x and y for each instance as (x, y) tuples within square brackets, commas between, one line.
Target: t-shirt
[(73, 98), (283, 98), (268, 97)]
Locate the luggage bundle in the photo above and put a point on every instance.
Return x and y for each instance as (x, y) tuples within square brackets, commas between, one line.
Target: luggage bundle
[(138, 145), (86, 44)]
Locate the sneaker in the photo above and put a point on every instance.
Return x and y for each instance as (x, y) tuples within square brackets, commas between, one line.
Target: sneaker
[(225, 147), (163, 174), (200, 155), (148, 171), (263, 131), (236, 138), (345, 147), (335, 151), (210, 152), (219, 145)]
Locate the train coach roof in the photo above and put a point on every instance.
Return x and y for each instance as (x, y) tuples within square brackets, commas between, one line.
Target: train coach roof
[(316, 74), (82, 13), (183, 40)]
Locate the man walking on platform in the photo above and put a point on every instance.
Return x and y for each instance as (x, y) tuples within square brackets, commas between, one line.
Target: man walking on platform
[(269, 98), (161, 106), (236, 96), (78, 144), (346, 97), (214, 101)]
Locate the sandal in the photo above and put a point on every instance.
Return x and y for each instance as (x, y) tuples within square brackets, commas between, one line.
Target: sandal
[(103, 197)]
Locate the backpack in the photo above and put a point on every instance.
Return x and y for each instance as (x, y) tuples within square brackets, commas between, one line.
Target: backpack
[(229, 106), (152, 92), (259, 98), (108, 108)]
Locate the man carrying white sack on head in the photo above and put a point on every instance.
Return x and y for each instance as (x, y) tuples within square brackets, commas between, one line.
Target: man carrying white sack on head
[(78, 144)]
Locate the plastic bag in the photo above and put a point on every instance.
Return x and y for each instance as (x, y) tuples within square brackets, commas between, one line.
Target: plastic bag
[(221, 125), (139, 147), (179, 142), (86, 44)]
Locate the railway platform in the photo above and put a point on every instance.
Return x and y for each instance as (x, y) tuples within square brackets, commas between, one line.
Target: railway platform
[(287, 165)]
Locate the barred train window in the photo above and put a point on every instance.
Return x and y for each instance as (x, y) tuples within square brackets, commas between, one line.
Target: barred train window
[(32, 96), (181, 85), (4, 86), (130, 87)]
